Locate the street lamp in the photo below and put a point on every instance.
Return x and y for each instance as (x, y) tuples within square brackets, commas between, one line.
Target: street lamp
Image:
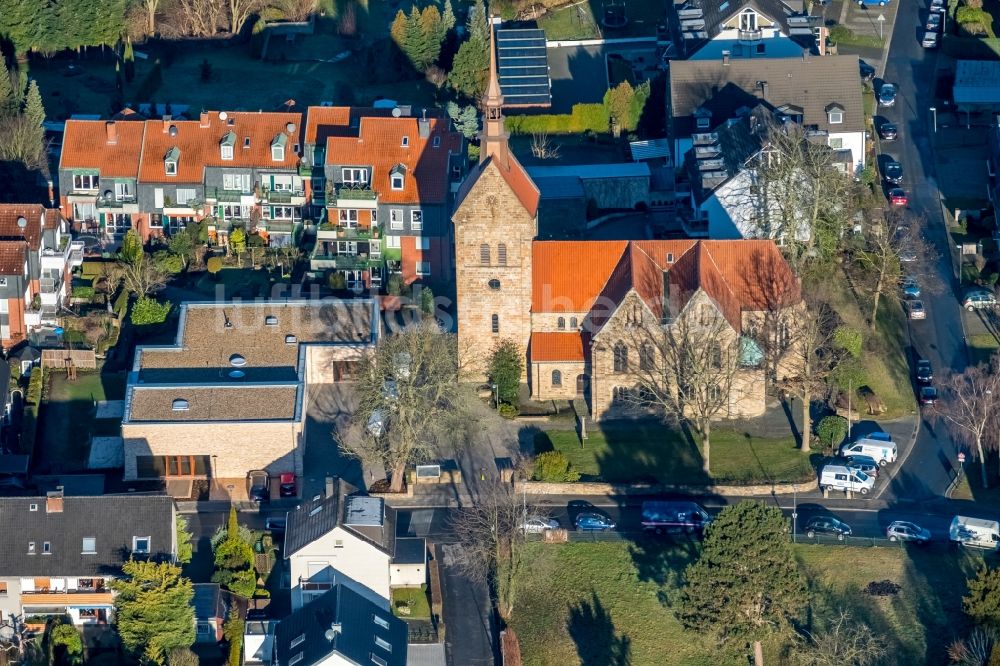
[(795, 511), (496, 395), (934, 114)]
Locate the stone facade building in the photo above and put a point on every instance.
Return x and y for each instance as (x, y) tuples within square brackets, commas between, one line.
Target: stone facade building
[(579, 309)]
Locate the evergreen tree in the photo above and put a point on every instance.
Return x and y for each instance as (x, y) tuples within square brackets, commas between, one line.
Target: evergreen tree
[(505, 367), (478, 24), (983, 602), (9, 104), (153, 609), (432, 33), (448, 17), (746, 584), (470, 68), (466, 119), (398, 30), (413, 43)]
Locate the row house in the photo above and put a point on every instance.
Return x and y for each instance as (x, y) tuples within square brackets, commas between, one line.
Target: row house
[(62, 553), (387, 182), (36, 256), (155, 176)]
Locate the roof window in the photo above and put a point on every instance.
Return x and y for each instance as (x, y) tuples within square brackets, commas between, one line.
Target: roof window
[(405, 142), (237, 374), (47, 547), (170, 161), (31, 548), (180, 405), (381, 621), (290, 339), (436, 142), (270, 320), (227, 144), (32, 507), (278, 148), (237, 361)]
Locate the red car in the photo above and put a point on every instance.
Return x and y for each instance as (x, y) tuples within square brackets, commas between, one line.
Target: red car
[(928, 395), (897, 196), (287, 487)]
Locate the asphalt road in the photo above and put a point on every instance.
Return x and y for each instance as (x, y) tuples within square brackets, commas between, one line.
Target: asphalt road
[(930, 467)]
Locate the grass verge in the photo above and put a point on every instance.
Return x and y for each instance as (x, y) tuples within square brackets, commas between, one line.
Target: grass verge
[(982, 347), (602, 603), (414, 598), (639, 452)]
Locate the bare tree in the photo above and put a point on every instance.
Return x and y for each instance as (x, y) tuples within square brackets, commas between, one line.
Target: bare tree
[(151, 6), (968, 403), (201, 18), (846, 642), (492, 539), (409, 400), (543, 148), (687, 370), (240, 11)]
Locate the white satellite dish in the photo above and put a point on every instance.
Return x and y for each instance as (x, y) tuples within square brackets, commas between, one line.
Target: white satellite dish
[(223, 115), (396, 112), (22, 222)]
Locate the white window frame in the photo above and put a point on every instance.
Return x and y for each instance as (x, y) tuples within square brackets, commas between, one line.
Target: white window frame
[(135, 544), (425, 243), (170, 167), (416, 219), (227, 152), (397, 178), (354, 176), (283, 212), (189, 194), (83, 546), (395, 218), (123, 190), (277, 153), (374, 217), (703, 122), (84, 211), (93, 182), (231, 211), (283, 183), (423, 268), (348, 217), (236, 182), (393, 242), (835, 113), (836, 143)]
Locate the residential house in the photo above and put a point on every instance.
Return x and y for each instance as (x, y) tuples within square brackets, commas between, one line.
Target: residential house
[(340, 627), (211, 608), (36, 257), (388, 195), (98, 172), (822, 94), (238, 373), (744, 28), (61, 553), (347, 536), (575, 307)]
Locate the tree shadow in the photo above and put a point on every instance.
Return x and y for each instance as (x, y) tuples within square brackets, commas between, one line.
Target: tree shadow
[(593, 631), (662, 560), (649, 451)]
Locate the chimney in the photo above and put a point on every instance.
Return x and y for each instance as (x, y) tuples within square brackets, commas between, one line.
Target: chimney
[(52, 194), (112, 132), (821, 38), (725, 58), (331, 486), (424, 128), (54, 501), (203, 119), (166, 124)]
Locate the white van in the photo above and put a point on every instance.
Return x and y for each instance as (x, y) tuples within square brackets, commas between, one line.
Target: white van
[(840, 477), (882, 450), (975, 532)]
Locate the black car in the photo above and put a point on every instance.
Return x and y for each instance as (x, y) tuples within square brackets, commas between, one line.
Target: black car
[(258, 486), (867, 71), (887, 132), (893, 172), (827, 525), (928, 395), (925, 373)]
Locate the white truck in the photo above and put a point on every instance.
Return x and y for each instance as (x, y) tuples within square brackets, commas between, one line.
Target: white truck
[(841, 477), (975, 532), (878, 445)]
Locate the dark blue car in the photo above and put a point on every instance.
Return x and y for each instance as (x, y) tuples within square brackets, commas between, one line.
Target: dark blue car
[(594, 522)]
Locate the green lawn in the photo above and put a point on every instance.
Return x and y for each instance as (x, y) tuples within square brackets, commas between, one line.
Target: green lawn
[(581, 20), (609, 602), (243, 282), (640, 452), (970, 486), (66, 420), (416, 598), (982, 347)]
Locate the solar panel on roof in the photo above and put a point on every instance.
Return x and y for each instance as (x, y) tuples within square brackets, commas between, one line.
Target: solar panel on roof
[(523, 67)]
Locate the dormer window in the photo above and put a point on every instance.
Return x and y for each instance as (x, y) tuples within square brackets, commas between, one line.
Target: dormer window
[(278, 148), (227, 145), (748, 21), (835, 114), (702, 118), (170, 161), (405, 143), (397, 177)]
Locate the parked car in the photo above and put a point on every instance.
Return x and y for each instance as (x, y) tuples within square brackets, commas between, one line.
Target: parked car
[(925, 373), (897, 197), (827, 525), (258, 486), (907, 254), (933, 21), (669, 516), (910, 287), (275, 523), (887, 131), (887, 94), (287, 487), (538, 524), (866, 464), (867, 3), (842, 477), (937, 5), (901, 530), (916, 310), (594, 522), (878, 445), (975, 532), (930, 40), (976, 299), (867, 71), (928, 395), (893, 171)]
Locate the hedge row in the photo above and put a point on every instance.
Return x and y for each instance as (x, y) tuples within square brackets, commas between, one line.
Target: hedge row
[(29, 421), (584, 118), (121, 303)]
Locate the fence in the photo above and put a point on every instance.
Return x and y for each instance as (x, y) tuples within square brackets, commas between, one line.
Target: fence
[(84, 359), (631, 535)]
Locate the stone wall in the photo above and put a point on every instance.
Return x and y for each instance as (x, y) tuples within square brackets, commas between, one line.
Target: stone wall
[(541, 380), (639, 489), (490, 215), (548, 322)]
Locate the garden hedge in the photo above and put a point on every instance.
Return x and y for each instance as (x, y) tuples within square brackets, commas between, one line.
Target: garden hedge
[(584, 118)]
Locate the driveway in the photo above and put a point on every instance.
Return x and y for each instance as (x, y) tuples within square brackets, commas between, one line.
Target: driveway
[(470, 627), (329, 405), (930, 467)]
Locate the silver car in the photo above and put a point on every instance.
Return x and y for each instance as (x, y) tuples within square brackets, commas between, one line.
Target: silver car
[(901, 530), (538, 524)]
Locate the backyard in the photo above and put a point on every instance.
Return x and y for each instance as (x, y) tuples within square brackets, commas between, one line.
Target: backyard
[(652, 452), (604, 603), (68, 420), (581, 20)]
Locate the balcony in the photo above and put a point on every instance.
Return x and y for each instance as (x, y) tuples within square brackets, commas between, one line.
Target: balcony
[(126, 204), (189, 207), (749, 36), (228, 196), (325, 256), (331, 231), (351, 196), (278, 226), (67, 598), (296, 198)]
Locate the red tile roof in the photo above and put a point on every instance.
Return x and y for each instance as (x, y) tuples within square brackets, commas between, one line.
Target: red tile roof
[(556, 347), (379, 144), (13, 254), (570, 276), (86, 146), (200, 146), (322, 122), (37, 216)]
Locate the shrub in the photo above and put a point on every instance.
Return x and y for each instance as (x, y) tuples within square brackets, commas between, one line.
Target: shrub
[(849, 340), (505, 365), (233, 629), (554, 467), (583, 118), (508, 411), (83, 291), (337, 281), (841, 33), (973, 20), (121, 304), (214, 265), (427, 301), (92, 269), (182, 657), (168, 262), (975, 4), (147, 311), (35, 384), (832, 430), (395, 285), (29, 421)]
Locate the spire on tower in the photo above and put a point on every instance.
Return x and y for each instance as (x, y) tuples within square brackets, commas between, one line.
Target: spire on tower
[(494, 137)]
